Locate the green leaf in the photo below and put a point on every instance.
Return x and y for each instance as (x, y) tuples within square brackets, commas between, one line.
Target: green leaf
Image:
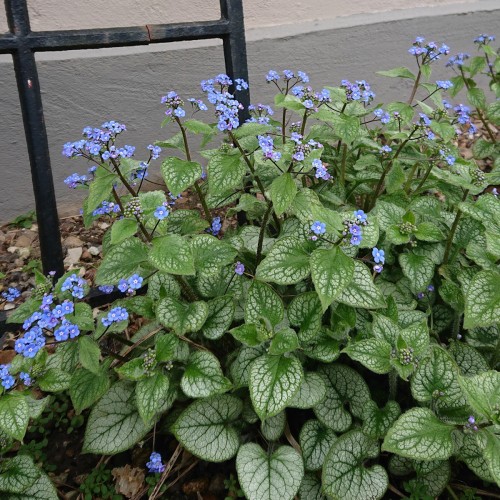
[(433, 475), (198, 127), (361, 291), (150, 395), (484, 149), (37, 406), (220, 316), (123, 229), (17, 474), (344, 473), (268, 476), (54, 380), (86, 388), (377, 421), (89, 353), (311, 488), (274, 380), (100, 188), (225, 172), (180, 174), (436, 378), (172, 254), (210, 254), (420, 435), (41, 489), (471, 452), (427, 231), (311, 392), (375, 354), (205, 428), (121, 261), (286, 263), (345, 388), (332, 271), (167, 347), (240, 368), (284, 341), (482, 300), (83, 317), (114, 423), (282, 192), (182, 317), (492, 454), (418, 269), (132, 370), (483, 394), (305, 311), (263, 302), (203, 376), (25, 310), (323, 347), (469, 360), (273, 427), (249, 334), (14, 415), (476, 97), (315, 441), (400, 72)]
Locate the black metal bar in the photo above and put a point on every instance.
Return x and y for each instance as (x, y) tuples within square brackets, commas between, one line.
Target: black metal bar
[(36, 139), (235, 50)]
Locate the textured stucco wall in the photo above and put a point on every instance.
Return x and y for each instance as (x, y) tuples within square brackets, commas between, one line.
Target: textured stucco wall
[(87, 87), (73, 14)]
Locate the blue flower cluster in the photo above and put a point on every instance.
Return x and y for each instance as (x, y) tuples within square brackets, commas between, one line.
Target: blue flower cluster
[(385, 150), (382, 115), (75, 285), (155, 151), (226, 106), (131, 284), (321, 171), (6, 379), (198, 104), (444, 84), (107, 289), (274, 76), (457, 60), (484, 39), (95, 140), (427, 52), (113, 152), (115, 315), (174, 104), (449, 158), (215, 227), (358, 91), (75, 180), (354, 228), (155, 464), (266, 143), (106, 208), (302, 149), (310, 99), (260, 113), (32, 341), (11, 294)]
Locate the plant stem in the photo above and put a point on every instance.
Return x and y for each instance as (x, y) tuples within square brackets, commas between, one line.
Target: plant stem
[(424, 178), (410, 177), (393, 384), (263, 231), (415, 87), (254, 175), (451, 492), (342, 165), (485, 493), (199, 192), (303, 127), (479, 112), (453, 231)]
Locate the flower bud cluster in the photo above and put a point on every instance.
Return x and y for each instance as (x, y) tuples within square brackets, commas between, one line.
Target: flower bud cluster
[(133, 208)]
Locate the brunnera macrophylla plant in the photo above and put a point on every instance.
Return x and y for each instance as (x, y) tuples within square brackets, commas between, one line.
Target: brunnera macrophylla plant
[(353, 310)]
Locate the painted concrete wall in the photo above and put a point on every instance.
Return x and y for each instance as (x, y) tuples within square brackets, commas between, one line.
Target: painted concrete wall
[(88, 87)]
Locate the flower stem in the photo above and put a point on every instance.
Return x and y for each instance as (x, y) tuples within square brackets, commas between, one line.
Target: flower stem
[(453, 231), (199, 192), (410, 177), (342, 165), (415, 87), (263, 232)]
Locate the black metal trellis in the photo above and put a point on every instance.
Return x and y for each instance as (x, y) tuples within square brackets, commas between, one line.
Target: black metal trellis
[(22, 43)]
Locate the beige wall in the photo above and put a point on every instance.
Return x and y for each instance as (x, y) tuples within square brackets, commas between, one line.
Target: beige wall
[(74, 14)]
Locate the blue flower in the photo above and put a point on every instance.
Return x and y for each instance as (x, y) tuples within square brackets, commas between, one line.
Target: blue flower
[(107, 289), (239, 268), (25, 377), (382, 115), (32, 341), (161, 212), (155, 151), (385, 150), (75, 285), (360, 216), (135, 282), (272, 76), (155, 464), (7, 380), (318, 227), (356, 239), (378, 255), (444, 84), (216, 226), (115, 315), (11, 294)]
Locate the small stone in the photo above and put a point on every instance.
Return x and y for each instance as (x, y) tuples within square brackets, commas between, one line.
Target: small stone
[(86, 256), (103, 225), (94, 251), (72, 242), (26, 238), (19, 262), (73, 256), (12, 249), (8, 307), (24, 253)]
